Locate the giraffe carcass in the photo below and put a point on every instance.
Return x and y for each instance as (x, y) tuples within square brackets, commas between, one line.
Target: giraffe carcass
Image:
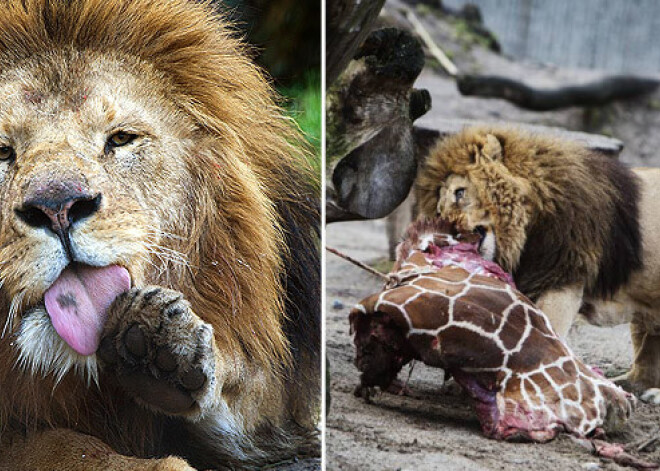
[(450, 308)]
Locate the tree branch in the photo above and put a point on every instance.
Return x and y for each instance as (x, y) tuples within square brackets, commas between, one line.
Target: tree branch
[(596, 93)]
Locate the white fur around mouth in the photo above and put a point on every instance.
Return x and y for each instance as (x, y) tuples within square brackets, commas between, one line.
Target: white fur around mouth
[(488, 246), (43, 352)]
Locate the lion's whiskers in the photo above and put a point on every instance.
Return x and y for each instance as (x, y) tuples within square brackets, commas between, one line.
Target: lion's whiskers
[(173, 254), (165, 259), (14, 309), (154, 234), (170, 254), (162, 268), (160, 233)]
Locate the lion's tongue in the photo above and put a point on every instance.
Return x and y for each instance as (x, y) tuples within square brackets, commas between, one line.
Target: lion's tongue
[(78, 300)]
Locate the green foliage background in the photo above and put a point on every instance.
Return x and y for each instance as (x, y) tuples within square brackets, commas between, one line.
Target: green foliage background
[(303, 101)]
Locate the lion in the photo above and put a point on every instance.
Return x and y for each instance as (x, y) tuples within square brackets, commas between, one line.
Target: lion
[(579, 231), (159, 245)]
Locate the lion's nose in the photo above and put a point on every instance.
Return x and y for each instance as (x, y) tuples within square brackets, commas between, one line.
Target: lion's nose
[(57, 207)]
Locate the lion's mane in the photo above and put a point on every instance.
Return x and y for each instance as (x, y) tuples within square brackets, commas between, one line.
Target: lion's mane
[(562, 214), (253, 239)]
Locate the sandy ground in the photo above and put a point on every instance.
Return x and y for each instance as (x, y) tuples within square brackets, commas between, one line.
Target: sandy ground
[(436, 429)]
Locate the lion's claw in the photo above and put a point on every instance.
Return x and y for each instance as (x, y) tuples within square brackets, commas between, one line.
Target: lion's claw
[(160, 351)]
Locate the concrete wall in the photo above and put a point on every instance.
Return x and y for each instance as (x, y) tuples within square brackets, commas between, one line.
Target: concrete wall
[(621, 36)]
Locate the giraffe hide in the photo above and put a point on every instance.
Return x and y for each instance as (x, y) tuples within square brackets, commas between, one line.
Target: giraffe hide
[(448, 313)]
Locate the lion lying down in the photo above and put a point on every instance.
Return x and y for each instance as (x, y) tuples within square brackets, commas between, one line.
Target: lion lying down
[(450, 308), (159, 270)]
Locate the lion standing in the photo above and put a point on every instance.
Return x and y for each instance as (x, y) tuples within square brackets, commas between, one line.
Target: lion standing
[(159, 267), (580, 232)]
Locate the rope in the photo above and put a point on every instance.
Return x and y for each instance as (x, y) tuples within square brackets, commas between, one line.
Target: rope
[(359, 264)]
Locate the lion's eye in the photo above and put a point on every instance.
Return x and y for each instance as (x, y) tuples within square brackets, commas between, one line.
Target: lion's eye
[(120, 138), (7, 153), (459, 194)]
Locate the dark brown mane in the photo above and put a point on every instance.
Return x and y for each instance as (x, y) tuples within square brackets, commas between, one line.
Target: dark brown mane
[(562, 213)]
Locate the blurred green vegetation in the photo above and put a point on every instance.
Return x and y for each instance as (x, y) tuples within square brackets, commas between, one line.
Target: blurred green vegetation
[(286, 35), (303, 102)]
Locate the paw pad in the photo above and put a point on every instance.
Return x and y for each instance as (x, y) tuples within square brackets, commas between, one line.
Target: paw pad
[(160, 351)]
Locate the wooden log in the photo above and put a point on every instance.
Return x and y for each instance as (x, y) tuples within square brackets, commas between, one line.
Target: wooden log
[(595, 93)]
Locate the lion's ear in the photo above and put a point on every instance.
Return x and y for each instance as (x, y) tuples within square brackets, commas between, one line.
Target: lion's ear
[(492, 149)]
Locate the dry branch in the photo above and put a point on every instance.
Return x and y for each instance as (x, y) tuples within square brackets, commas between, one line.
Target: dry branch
[(596, 93), (435, 51), (357, 263)]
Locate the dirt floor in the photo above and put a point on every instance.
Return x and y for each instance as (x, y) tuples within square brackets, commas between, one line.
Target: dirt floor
[(436, 429)]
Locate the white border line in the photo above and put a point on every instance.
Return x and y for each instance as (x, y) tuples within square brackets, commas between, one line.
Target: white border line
[(322, 424)]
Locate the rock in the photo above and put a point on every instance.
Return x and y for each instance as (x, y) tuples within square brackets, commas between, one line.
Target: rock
[(337, 304)]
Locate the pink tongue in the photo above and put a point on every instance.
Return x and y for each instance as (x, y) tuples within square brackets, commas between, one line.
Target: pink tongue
[(78, 300)]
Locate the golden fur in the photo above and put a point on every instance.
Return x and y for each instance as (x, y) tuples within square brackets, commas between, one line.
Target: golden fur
[(551, 204), (579, 231), (214, 200)]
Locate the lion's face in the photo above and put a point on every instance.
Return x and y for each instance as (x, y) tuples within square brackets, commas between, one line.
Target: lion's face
[(458, 200), (93, 173)]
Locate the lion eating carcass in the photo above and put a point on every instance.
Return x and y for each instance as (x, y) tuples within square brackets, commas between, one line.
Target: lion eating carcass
[(579, 230)]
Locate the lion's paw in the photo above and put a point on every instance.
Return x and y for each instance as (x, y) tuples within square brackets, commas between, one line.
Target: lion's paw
[(651, 396), (160, 351)]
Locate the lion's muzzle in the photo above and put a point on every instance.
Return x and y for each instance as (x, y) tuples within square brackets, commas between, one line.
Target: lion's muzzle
[(57, 205), (58, 201)]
